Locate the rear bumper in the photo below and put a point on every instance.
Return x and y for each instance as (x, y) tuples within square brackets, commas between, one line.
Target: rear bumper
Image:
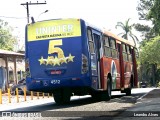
[(49, 85)]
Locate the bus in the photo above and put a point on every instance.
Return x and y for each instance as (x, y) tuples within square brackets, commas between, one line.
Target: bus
[(69, 57)]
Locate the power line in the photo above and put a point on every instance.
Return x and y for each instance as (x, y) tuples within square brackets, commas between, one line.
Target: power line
[(13, 17)]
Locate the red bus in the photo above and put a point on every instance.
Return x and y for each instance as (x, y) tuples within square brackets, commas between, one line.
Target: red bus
[(70, 57)]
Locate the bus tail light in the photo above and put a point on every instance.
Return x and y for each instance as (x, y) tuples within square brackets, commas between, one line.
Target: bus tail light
[(27, 67), (84, 64), (75, 78)]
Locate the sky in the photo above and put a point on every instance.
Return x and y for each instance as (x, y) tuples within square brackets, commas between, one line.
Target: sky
[(101, 13)]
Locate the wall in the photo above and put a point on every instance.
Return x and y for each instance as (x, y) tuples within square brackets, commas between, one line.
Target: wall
[(2, 62)]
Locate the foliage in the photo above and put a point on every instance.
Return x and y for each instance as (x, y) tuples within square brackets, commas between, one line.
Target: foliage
[(127, 31), (154, 16), (149, 61), (149, 50), (143, 7), (145, 30), (159, 84), (7, 40), (149, 10)]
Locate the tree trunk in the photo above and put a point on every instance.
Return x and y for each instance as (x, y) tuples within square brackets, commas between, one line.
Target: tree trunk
[(153, 74)]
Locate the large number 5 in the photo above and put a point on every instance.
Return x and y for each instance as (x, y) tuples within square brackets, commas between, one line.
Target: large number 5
[(52, 49)]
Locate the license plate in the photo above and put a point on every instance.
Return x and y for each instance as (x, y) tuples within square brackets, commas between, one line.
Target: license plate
[(56, 72)]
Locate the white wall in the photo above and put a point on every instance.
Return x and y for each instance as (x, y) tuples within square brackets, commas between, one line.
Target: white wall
[(2, 62)]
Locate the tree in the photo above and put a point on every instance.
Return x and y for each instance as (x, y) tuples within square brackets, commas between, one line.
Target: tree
[(148, 10), (148, 57), (145, 30), (143, 7), (7, 40), (154, 16), (127, 31), (147, 53)]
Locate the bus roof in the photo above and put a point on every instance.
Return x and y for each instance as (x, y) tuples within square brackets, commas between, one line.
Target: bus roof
[(108, 33)]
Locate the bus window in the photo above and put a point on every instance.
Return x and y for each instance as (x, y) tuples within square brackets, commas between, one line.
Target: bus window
[(97, 45), (113, 46), (129, 53), (106, 41), (124, 48), (106, 48), (125, 58), (91, 43), (128, 49), (113, 43)]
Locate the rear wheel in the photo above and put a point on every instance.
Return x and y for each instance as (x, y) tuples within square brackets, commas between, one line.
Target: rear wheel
[(105, 95), (62, 96), (96, 96), (128, 91)]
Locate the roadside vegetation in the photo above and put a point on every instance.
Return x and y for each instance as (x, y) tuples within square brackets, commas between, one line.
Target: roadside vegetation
[(7, 40), (149, 59)]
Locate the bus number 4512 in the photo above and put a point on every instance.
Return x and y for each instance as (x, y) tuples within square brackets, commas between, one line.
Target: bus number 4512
[(55, 81)]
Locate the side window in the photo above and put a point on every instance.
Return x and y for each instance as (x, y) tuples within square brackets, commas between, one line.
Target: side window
[(125, 57), (129, 53), (91, 43), (124, 47), (97, 41), (114, 49), (106, 41), (128, 49), (106, 46), (113, 43)]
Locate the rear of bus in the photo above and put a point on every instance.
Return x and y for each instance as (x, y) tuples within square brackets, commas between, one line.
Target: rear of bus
[(54, 55)]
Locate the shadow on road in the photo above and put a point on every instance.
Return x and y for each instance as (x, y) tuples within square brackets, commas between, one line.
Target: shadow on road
[(78, 102)]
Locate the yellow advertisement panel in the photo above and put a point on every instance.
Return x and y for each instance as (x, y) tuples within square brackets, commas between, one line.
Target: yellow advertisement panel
[(54, 29)]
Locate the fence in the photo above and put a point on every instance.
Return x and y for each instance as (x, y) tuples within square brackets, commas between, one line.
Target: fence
[(19, 98)]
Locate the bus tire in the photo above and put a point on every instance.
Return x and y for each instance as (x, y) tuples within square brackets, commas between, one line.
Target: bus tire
[(109, 89), (128, 91), (58, 99), (96, 96), (62, 96), (105, 95)]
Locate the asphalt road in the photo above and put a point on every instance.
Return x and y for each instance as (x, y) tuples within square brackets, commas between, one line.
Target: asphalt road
[(85, 108), (82, 107)]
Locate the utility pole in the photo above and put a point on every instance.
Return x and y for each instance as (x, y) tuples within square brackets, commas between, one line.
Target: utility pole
[(27, 7)]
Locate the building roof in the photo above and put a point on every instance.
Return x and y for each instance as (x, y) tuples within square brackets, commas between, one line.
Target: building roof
[(10, 53)]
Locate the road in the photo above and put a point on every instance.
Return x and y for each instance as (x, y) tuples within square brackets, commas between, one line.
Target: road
[(83, 106)]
